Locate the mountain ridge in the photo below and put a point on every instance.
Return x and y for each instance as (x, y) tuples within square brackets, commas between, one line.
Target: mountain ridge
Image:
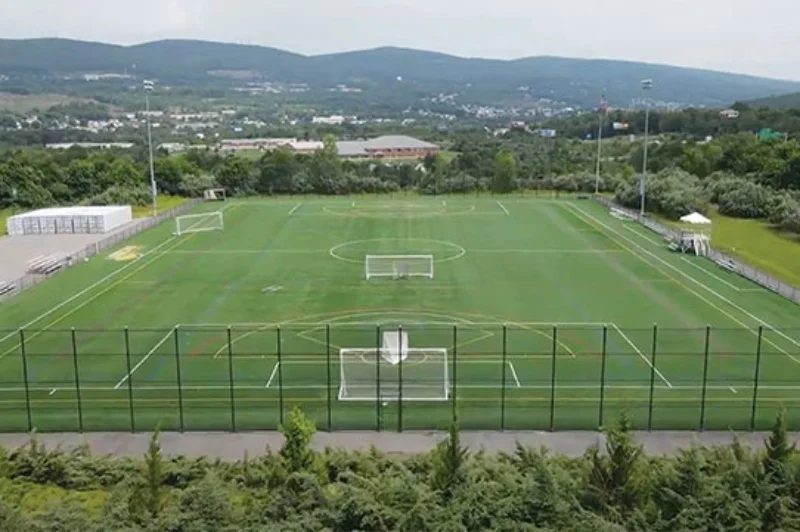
[(573, 80)]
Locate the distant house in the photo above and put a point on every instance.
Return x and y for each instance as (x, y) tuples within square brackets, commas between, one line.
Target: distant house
[(385, 147)]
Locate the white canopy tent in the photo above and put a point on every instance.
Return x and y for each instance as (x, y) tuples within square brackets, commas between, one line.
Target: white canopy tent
[(695, 235), (695, 218)]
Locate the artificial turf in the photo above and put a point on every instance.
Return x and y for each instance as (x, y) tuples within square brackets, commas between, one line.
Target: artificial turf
[(553, 315)]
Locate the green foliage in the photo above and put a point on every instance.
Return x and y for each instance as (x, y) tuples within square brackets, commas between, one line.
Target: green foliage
[(448, 470), (298, 431), (505, 172), (614, 488)]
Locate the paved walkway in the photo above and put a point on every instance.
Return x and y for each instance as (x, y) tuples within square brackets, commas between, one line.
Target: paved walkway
[(232, 446)]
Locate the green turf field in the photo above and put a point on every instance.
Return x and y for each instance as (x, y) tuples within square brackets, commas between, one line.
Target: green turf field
[(545, 309)]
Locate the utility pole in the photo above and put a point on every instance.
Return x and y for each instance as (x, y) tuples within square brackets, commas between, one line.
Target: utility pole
[(603, 109), (647, 84), (148, 88)]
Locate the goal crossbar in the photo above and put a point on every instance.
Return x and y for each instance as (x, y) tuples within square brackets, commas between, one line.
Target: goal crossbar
[(196, 223), (398, 266), (371, 374)]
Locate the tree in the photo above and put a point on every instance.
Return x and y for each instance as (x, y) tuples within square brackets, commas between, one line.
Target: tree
[(148, 498), (505, 172), (236, 176), (449, 459), (298, 431), (616, 482)]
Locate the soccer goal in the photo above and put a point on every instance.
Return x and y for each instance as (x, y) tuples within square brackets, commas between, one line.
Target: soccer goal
[(196, 223), (393, 371), (214, 194), (398, 266)]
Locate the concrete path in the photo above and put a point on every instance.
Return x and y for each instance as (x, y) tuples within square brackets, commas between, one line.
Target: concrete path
[(232, 446)]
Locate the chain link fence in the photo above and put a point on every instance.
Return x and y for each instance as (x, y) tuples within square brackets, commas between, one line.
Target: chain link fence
[(769, 282), (26, 281), (497, 377)]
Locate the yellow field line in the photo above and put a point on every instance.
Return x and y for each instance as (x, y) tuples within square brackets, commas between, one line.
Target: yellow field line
[(584, 216), (100, 293)]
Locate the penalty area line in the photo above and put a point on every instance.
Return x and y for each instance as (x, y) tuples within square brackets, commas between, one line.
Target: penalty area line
[(272, 375), (514, 373), (503, 207), (143, 360)]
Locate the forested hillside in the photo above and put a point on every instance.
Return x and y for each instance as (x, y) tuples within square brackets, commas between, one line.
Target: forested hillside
[(613, 488), (574, 81)]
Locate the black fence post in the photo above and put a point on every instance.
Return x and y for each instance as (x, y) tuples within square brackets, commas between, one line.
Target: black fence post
[(23, 352), (455, 374), (178, 376), (756, 378), (705, 379), (130, 377), (279, 351), (328, 367), (553, 379), (400, 382), (652, 378), (74, 340), (378, 389), (230, 379), (603, 350), (503, 379)]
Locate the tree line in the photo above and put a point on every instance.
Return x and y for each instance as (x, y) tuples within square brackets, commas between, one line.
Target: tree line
[(614, 486), (738, 174)]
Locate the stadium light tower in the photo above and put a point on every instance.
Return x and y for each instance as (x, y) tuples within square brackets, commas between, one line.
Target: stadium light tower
[(148, 88), (647, 84)]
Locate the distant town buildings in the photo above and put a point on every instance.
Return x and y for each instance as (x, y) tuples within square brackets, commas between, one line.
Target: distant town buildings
[(384, 147)]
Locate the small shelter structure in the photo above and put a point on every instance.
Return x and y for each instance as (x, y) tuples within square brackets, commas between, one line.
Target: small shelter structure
[(694, 234)]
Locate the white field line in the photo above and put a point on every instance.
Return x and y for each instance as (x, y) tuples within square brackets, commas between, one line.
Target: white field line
[(241, 251), (638, 352), (294, 209), (732, 389), (503, 207), (72, 298), (715, 387), (637, 233), (272, 375), (717, 277), (548, 251), (514, 373), (85, 302), (95, 296), (704, 287), (291, 325), (139, 364)]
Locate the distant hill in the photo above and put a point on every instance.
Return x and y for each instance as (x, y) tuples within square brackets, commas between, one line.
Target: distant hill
[(783, 101), (575, 81)]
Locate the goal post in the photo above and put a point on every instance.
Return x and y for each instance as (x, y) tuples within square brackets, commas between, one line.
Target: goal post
[(375, 375), (214, 194), (197, 223), (398, 266)]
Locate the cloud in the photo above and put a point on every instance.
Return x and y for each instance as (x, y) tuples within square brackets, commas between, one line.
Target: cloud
[(735, 35)]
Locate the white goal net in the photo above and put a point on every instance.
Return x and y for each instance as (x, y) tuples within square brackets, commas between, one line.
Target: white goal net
[(393, 372), (214, 194), (398, 266), (196, 223)]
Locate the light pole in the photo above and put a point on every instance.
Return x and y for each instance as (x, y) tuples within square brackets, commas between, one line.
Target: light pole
[(148, 88), (647, 84), (603, 109)]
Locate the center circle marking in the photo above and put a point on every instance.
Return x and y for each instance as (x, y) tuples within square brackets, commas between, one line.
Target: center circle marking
[(335, 250)]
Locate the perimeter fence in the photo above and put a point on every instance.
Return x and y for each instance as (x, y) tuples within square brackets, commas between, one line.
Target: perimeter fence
[(728, 262), (497, 377), (13, 287)]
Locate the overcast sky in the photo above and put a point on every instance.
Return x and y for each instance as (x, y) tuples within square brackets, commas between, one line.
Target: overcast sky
[(750, 36)]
